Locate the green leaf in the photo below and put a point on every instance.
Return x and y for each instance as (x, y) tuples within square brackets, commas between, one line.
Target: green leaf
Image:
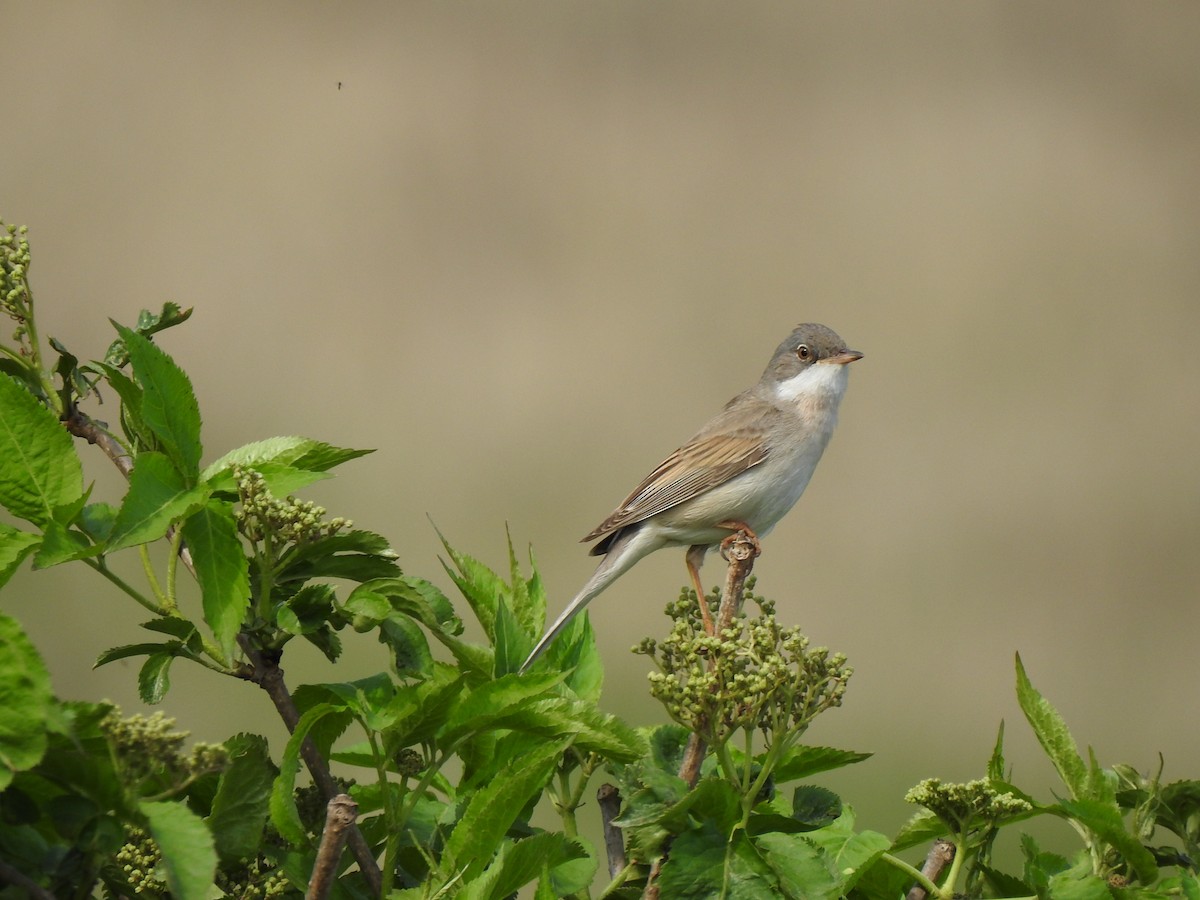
[(409, 647), (1078, 883), (492, 810), (481, 587), (242, 801), (298, 454), (850, 853), (157, 497), (284, 815), (995, 766), (39, 470), (492, 701), (96, 520), (60, 544), (802, 868), (705, 864), (15, 545), (1051, 731), (188, 857), (154, 678), (148, 323), (221, 569), (593, 730), (922, 828), (26, 702), (1003, 884), (127, 650), (804, 762), (815, 807), (169, 406), (1103, 817), (512, 643), (522, 862)]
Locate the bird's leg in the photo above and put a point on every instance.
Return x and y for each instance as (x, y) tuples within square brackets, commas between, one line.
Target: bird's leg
[(695, 559), (736, 527)]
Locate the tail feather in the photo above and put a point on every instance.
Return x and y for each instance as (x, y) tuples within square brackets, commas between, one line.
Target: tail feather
[(626, 549)]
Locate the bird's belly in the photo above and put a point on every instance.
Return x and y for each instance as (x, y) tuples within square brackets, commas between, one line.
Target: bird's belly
[(758, 497)]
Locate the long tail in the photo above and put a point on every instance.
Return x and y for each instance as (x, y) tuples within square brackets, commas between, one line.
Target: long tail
[(628, 547)]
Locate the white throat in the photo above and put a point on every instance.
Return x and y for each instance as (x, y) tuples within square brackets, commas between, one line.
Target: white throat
[(818, 385)]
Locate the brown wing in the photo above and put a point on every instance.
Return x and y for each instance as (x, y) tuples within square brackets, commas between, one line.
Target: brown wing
[(709, 459)]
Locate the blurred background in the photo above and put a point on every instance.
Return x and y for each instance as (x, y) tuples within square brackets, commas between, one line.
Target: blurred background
[(526, 249)]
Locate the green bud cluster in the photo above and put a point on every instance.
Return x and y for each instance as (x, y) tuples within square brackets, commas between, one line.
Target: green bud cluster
[(138, 860), (257, 879), (146, 747), (312, 806), (14, 285), (962, 807), (756, 674), (289, 520)]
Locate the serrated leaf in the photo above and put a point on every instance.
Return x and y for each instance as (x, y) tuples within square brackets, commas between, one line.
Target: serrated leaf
[(169, 406), (96, 520), (850, 852), (802, 868), (815, 807), (25, 702), (60, 544), (39, 470), (995, 766), (705, 864), (242, 801), (188, 857), (1051, 731), (154, 678), (512, 643), (124, 651), (15, 545), (299, 454), (492, 810), (1103, 817), (157, 497), (493, 701), (284, 815), (520, 863), (175, 626), (804, 762), (922, 828), (479, 585), (594, 731), (408, 645), (221, 569)]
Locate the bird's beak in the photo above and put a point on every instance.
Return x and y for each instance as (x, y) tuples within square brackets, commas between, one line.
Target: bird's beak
[(846, 356)]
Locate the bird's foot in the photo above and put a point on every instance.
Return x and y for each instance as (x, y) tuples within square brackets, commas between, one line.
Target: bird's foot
[(741, 533)]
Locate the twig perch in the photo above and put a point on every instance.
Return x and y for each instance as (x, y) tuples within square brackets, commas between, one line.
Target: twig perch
[(609, 799), (340, 816), (741, 553), (940, 855)]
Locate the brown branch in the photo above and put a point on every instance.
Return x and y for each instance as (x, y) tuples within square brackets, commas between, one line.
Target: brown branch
[(740, 553), (269, 677), (940, 855), (340, 816), (84, 426), (9, 875), (609, 799), (265, 671)]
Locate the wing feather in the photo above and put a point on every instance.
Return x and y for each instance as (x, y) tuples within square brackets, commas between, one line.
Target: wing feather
[(709, 459)]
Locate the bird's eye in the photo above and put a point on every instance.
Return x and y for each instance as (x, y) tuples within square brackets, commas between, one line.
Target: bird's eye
[(803, 352)]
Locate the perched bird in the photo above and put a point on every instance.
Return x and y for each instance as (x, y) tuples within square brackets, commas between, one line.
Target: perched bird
[(742, 471)]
